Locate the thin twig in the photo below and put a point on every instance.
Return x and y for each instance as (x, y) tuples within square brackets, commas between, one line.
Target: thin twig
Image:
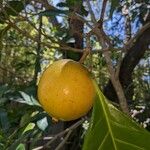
[(102, 12), (61, 46), (87, 50), (12, 73), (106, 45), (25, 33), (37, 68), (78, 16), (64, 140), (85, 54), (74, 126)]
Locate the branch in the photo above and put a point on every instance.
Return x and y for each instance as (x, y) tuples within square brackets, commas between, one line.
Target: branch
[(49, 7), (12, 73), (102, 13), (64, 141), (106, 46), (87, 49), (79, 17), (132, 41), (46, 4), (37, 68), (116, 83), (126, 67), (72, 127), (61, 46), (25, 33)]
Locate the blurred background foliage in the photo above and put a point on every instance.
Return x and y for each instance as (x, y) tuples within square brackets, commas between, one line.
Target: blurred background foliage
[(23, 125)]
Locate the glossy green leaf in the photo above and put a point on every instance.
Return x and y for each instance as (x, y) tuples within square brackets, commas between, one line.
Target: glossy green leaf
[(42, 124), (110, 129), (27, 99), (29, 127), (21, 147)]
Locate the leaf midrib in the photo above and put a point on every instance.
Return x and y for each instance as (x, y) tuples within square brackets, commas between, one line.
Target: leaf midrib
[(107, 120)]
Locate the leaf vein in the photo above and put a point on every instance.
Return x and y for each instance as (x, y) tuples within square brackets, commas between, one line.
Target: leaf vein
[(120, 141), (104, 139), (107, 120)]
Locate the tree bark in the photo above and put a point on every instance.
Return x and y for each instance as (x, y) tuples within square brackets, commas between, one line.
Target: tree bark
[(131, 59)]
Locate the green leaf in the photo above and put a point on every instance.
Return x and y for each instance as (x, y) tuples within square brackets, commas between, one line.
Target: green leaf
[(3, 89), (3, 101), (73, 55), (53, 12), (14, 7), (27, 99), (39, 116), (42, 124), (114, 4), (30, 53), (73, 2), (110, 129), (2, 33), (29, 127), (2, 18), (25, 119), (16, 143), (20, 147), (84, 11), (62, 4)]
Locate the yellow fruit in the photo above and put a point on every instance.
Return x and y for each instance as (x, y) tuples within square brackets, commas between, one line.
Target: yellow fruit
[(66, 90)]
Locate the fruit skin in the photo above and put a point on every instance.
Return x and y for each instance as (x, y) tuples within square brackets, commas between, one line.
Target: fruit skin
[(66, 90)]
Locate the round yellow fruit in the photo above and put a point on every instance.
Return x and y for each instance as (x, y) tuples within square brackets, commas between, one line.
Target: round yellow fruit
[(65, 90)]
